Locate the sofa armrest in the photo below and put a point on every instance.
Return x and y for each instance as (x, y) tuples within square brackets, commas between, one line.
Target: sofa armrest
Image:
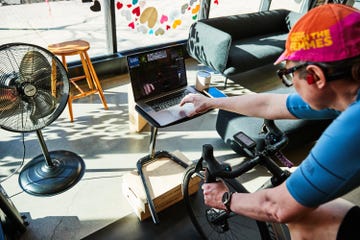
[(209, 45)]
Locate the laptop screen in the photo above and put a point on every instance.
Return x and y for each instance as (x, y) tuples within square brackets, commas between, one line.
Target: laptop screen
[(156, 72)]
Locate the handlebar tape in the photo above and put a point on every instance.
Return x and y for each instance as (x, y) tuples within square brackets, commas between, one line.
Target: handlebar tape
[(208, 156)]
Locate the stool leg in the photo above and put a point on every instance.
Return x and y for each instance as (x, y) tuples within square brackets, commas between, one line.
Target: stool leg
[(70, 108), (85, 65), (63, 59), (96, 81), (53, 78)]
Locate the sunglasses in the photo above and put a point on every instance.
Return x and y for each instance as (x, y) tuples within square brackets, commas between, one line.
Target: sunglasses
[(286, 75)]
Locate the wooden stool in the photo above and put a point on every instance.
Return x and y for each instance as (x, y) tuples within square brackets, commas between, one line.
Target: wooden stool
[(79, 47)]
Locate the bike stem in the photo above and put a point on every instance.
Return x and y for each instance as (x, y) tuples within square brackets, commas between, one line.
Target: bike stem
[(279, 175)]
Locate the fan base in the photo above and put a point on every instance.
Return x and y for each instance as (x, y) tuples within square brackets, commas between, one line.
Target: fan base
[(37, 178)]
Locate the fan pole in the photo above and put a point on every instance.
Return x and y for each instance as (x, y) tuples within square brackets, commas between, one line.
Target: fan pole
[(44, 149)]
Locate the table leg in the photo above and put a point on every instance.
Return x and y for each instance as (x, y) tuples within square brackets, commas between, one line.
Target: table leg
[(154, 131)]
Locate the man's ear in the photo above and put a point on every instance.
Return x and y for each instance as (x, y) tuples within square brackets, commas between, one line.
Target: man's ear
[(317, 74)]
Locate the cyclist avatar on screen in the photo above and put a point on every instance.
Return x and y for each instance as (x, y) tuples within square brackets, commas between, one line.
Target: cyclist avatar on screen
[(322, 58)]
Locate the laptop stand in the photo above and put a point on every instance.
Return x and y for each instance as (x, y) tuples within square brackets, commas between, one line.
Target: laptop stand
[(152, 156)]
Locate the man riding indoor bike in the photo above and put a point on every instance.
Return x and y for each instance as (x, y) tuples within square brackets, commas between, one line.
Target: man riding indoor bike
[(323, 63)]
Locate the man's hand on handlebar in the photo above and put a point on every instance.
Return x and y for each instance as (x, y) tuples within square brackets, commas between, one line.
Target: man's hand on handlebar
[(213, 193)]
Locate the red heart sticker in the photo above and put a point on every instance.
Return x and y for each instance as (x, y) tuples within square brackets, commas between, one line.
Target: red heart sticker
[(129, 5), (167, 27), (119, 5), (132, 25), (136, 11)]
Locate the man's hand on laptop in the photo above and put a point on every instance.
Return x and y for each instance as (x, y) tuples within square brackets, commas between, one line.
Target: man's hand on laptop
[(199, 101)]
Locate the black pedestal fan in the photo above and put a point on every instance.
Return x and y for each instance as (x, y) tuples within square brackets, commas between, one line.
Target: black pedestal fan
[(34, 88)]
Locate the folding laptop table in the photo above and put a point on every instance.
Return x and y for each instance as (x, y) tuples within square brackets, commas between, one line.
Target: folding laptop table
[(153, 155)]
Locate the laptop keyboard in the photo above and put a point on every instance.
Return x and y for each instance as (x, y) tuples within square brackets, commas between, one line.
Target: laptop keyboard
[(169, 101)]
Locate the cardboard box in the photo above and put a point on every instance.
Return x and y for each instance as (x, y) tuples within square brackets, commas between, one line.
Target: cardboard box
[(136, 121), (164, 180)]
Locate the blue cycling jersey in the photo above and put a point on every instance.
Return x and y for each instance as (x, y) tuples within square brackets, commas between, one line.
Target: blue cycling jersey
[(300, 109), (333, 166)]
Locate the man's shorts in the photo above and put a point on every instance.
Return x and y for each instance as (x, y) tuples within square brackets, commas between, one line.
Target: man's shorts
[(350, 226)]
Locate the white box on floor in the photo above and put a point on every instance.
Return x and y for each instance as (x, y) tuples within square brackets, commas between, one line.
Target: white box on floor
[(136, 121), (164, 180)]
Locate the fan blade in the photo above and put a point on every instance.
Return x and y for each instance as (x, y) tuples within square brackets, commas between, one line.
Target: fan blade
[(35, 68), (11, 113), (32, 61), (40, 75), (8, 94), (42, 105), (8, 101)]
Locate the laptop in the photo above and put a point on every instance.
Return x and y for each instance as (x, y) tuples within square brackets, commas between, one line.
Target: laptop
[(159, 82)]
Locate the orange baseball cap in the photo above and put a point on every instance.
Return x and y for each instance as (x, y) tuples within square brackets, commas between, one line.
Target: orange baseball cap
[(330, 32)]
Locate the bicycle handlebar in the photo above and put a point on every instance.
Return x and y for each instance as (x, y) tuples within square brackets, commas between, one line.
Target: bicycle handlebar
[(275, 140)]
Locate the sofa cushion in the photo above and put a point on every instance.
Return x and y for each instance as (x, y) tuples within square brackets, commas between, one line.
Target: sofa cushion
[(250, 53), (209, 45)]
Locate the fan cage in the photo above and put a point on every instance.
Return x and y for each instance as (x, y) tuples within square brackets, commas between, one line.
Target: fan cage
[(34, 87)]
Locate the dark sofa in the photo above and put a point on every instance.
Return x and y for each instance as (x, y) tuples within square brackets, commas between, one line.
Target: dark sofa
[(238, 43)]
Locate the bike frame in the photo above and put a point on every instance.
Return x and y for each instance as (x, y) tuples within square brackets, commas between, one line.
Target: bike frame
[(212, 171)]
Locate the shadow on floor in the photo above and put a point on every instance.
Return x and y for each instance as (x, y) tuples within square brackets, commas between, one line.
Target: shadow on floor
[(174, 224)]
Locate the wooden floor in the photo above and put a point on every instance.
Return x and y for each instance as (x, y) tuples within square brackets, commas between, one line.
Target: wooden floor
[(96, 208), (174, 222)]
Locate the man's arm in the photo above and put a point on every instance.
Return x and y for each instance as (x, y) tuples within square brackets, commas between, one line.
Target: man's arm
[(262, 105), (271, 205)]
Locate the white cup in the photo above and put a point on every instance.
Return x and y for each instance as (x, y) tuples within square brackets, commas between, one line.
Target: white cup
[(203, 79)]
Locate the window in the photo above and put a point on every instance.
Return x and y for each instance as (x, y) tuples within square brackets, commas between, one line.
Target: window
[(47, 22), (230, 7), (136, 23), (293, 5), (153, 22)]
